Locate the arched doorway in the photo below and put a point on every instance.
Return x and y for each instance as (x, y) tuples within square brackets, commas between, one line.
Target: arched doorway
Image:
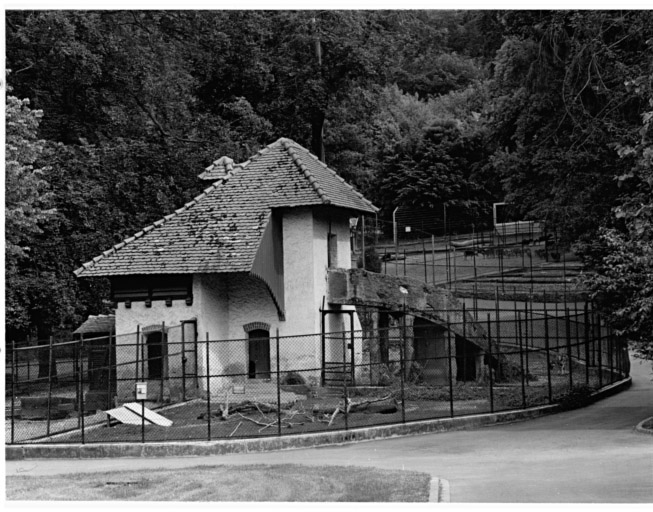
[(259, 354)]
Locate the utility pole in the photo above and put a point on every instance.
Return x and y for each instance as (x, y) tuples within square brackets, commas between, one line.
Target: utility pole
[(318, 115)]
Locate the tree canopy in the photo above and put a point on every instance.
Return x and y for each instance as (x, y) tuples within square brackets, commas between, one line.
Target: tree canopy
[(113, 114)]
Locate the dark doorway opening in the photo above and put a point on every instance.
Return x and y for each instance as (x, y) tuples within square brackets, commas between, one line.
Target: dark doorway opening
[(466, 353), (156, 351), (259, 354)]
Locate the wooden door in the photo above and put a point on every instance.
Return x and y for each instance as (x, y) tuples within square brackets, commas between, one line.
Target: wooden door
[(259, 354)]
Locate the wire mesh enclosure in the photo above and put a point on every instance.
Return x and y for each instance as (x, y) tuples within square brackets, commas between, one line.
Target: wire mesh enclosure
[(529, 353), (473, 253)]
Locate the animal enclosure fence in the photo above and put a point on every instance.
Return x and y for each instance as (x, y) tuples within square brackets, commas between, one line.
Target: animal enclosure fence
[(475, 259), (411, 370)]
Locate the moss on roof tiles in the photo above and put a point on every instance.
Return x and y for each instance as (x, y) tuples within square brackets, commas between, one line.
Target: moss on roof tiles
[(231, 214)]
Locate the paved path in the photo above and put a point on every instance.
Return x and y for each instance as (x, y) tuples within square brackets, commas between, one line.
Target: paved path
[(592, 455)]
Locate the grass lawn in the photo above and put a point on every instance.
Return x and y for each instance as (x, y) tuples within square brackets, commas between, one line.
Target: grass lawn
[(286, 482)]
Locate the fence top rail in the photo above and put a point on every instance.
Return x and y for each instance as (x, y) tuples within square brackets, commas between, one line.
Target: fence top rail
[(502, 309), (42, 347)]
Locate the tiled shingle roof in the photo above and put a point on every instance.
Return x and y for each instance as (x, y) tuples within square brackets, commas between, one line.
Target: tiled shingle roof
[(218, 169), (97, 323), (220, 230)]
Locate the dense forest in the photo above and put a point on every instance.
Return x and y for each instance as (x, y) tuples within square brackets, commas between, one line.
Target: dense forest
[(111, 115)]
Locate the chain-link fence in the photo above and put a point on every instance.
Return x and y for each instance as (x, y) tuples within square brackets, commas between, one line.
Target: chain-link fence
[(403, 369), (474, 259)]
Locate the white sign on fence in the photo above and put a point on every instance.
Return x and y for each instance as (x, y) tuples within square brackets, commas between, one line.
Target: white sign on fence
[(141, 391)]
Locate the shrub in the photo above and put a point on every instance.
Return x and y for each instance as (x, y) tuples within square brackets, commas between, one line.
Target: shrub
[(579, 396), (372, 260), (292, 378)]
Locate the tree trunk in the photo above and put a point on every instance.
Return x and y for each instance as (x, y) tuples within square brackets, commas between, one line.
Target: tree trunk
[(317, 134)]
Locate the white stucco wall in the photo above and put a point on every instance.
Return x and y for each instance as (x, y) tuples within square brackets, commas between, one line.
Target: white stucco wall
[(224, 303), (302, 316), (140, 319)]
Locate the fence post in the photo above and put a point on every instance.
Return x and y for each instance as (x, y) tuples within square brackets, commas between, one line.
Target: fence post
[(208, 390), (29, 366), (433, 256), (526, 335), (426, 274), (81, 387), (279, 381), (352, 348), (576, 322), (183, 362), (598, 325), (587, 345), (323, 347), (142, 345), (76, 377), (449, 354), (344, 381), (111, 336), (138, 348), (557, 330), (611, 355), (548, 353), (13, 385), (363, 240), (49, 384), (164, 358), (401, 368), (521, 361), (143, 419), (498, 315), (569, 355), (464, 342), (489, 339)]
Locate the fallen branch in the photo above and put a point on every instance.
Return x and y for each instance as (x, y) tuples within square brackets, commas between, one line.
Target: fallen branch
[(234, 430), (335, 413), (266, 425), (351, 406), (228, 410)]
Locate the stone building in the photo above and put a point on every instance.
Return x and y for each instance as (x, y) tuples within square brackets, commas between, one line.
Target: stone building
[(245, 260)]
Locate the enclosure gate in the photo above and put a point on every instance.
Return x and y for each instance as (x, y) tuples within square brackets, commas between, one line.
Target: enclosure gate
[(338, 373)]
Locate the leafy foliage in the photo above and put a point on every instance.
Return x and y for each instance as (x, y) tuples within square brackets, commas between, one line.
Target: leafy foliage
[(622, 258), (549, 110), (27, 194)]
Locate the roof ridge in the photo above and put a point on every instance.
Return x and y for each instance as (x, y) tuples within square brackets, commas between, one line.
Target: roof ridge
[(307, 173), (154, 225), (343, 181)]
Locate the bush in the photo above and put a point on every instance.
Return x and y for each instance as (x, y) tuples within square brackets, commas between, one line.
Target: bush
[(579, 396), (372, 260), (292, 378)]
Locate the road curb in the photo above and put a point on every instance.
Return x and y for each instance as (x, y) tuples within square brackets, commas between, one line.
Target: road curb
[(434, 490), (286, 442), (444, 496), (439, 492), (640, 427)]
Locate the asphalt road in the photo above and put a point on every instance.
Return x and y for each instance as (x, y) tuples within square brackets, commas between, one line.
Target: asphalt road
[(591, 455)]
